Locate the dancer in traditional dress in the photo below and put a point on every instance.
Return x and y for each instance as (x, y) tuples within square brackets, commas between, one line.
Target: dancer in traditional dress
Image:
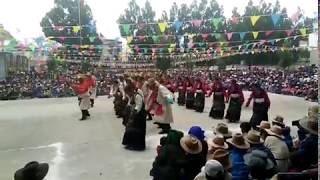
[(261, 105), (218, 106), (199, 100), (235, 99), (92, 83), (160, 104), (190, 94), (182, 93), (82, 89), (134, 136)]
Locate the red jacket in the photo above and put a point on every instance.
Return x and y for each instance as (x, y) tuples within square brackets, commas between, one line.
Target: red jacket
[(80, 88)]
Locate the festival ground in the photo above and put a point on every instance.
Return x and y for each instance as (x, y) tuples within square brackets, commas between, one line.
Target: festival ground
[(48, 130)]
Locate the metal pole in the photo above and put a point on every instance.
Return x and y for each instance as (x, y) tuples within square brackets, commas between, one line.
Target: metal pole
[(80, 21)]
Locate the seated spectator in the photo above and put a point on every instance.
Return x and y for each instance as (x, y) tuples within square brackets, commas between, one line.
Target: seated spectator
[(285, 131), (217, 143), (259, 165), (32, 171), (275, 142), (223, 156), (197, 132), (307, 153), (222, 129), (213, 170), (193, 161), (239, 149), (245, 128)]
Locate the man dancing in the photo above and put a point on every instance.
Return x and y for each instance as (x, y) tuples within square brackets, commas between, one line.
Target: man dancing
[(92, 83)]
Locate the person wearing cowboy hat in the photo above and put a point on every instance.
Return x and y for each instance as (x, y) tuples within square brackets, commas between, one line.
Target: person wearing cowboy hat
[(199, 133), (193, 161), (256, 143), (216, 143), (32, 171), (261, 105), (260, 165), (223, 156), (213, 169), (275, 142), (222, 129), (307, 153), (239, 148), (279, 121)]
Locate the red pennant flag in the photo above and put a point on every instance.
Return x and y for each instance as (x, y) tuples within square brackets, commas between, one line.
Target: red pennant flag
[(205, 36), (268, 33), (289, 32), (235, 20), (197, 23)]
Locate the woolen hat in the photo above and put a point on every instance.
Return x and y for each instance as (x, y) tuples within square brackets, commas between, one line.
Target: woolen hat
[(191, 144), (275, 131), (197, 132), (32, 171), (238, 141), (253, 137)]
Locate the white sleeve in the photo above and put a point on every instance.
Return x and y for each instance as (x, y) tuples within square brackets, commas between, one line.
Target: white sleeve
[(138, 102)]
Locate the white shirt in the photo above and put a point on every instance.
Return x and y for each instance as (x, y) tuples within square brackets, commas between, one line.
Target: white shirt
[(138, 99)]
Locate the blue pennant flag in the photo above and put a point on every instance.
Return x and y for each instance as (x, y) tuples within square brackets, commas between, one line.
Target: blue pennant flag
[(275, 19), (242, 34), (178, 25)]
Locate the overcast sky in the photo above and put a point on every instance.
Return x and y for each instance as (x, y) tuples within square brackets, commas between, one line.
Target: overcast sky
[(22, 17)]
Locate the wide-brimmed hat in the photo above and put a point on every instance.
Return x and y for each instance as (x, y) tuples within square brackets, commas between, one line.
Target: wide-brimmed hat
[(197, 132), (275, 131), (212, 168), (223, 156), (264, 125), (191, 144), (309, 124), (253, 137), (218, 142), (32, 170), (258, 159), (223, 130), (279, 120), (238, 141)]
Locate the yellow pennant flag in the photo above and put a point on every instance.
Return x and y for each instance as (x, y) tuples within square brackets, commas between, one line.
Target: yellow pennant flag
[(254, 19), (76, 29), (172, 45), (190, 36), (221, 53), (129, 39), (255, 34), (303, 31), (170, 50), (162, 26)]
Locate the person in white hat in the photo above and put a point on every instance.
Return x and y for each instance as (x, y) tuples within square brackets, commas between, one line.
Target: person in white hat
[(213, 170)]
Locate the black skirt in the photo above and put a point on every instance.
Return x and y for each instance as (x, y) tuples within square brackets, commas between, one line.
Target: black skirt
[(181, 98), (260, 113), (189, 100), (234, 110), (218, 106), (199, 102)]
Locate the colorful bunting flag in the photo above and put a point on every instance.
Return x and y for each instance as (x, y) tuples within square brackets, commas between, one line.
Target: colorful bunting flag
[(178, 25), (170, 50), (92, 38), (126, 29), (172, 45), (156, 38), (254, 19), (205, 36), (162, 26), (235, 20), (196, 23), (129, 39), (303, 31), (268, 33), (76, 29), (190, 36), (275, 18), (229, 36), (255, 34), (216, 22), (242, 35), (289, 32)]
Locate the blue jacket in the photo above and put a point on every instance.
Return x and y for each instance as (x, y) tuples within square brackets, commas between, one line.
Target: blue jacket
[(239, 171)]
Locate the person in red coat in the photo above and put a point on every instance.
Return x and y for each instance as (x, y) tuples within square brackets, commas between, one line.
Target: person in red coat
[(261, 105), (235, 99), (92, 84), (82, 90), (218, 106)]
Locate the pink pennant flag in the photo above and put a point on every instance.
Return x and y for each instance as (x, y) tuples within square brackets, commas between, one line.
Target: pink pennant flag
[(235, 20), (62, 38), (141, 38), (205, 36), (295, 16), (289, 32), (154, 50), (229, 36), (262, 41), (268, 33), (197, 23), (190, 45)]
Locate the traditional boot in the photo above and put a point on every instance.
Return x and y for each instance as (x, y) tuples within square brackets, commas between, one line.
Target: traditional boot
[(84, 116), (92, 102)]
